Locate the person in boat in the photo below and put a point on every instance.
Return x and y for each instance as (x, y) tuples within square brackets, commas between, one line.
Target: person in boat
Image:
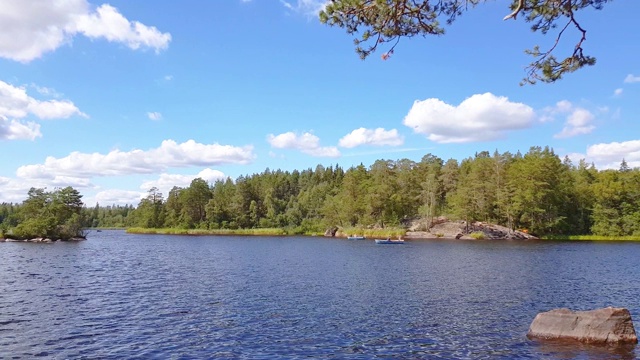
[(388, 238)]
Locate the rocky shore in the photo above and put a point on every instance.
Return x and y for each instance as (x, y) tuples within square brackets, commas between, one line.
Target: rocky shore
[(445, 229), (42, 240)]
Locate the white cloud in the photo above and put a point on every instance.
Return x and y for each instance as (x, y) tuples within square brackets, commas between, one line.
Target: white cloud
[(307, 7), (116, 197), (169, 154), (29, 29), (377, 137), (15, 130), (618, 92), (578, 123), (154, 115), (15, 105), (632, 79), (481, 117), (43, 90), (15, 189), (307, 143), (610, 155), (166, 182)]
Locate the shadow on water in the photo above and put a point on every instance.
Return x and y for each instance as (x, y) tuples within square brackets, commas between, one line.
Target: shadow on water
[(566, 349)]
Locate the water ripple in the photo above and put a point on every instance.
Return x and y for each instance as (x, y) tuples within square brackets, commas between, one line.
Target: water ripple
[(129, 296)]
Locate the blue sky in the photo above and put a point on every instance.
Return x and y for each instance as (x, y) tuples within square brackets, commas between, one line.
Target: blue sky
[(115, 97)]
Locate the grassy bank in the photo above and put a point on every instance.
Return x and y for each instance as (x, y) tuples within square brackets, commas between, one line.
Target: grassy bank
[(369, 233), (372, 233), (591, 238), (170, 231)]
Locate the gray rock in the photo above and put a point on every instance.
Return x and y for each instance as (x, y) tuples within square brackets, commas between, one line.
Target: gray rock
[(331, 232), (601, 326)]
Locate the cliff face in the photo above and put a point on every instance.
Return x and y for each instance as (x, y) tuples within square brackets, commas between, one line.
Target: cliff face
[(443, 228)]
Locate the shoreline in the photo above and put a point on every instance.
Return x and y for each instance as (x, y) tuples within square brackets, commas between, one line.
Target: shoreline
[(409, 235)]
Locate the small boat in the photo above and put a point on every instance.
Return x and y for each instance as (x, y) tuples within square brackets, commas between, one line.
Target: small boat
[(389, 241), (356, 237)]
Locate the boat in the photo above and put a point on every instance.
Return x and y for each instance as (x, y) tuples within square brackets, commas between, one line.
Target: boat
[(356, 237), (389, 241)]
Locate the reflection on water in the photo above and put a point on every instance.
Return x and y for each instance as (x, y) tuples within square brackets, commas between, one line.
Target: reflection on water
[(123, 296)]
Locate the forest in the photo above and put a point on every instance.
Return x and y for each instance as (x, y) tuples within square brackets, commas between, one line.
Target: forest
[(536, 191)]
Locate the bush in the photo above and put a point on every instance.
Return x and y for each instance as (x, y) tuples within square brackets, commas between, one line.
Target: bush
[(478, 235)]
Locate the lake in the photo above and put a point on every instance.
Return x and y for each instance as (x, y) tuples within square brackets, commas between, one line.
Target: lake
[(234, 297)]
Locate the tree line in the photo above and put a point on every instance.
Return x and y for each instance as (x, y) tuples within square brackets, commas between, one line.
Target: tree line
[(536, 191)]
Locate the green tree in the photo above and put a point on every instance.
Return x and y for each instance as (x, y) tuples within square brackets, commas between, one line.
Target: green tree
[(150, 212), (219, 208), (430, 173), (55, 214), (384, 22), (195, 199), (539, 184)]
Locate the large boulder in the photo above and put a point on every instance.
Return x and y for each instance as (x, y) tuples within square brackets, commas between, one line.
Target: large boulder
[(601, 326), (331, 232)]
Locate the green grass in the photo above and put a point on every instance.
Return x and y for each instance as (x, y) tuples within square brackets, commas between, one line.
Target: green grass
[(372, 233), (478, 235), (591, 238), (369, 233)]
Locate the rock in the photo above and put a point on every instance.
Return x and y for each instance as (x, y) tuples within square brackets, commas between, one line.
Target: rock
[(331, 232), (601, 326)]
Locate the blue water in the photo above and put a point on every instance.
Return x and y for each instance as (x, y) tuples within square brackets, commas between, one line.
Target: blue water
[(134, 296)]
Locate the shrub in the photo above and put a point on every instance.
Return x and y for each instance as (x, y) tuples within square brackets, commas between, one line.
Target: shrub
[(478, 235)]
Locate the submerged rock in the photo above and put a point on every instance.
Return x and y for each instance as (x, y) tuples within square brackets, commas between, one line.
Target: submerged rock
[(601, 326)]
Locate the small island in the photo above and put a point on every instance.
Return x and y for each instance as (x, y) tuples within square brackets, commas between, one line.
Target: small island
[(46, 216)]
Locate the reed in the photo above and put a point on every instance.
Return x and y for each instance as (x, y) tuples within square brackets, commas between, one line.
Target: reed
[(175, 231), (393, 233), (591, 238)]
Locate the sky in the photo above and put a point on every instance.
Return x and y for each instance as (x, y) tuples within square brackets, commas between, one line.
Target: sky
[(114, 98)]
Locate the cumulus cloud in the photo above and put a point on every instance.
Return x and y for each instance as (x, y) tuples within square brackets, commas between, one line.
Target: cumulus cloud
[(28, 29), (632, 79), (610, 155), (307, 143), (481, 117), (16, 105), (170, 154), (377, 137), (15, 189), (578, 121), (165, 182), (15, 130), (154, 115), (618, 92)]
